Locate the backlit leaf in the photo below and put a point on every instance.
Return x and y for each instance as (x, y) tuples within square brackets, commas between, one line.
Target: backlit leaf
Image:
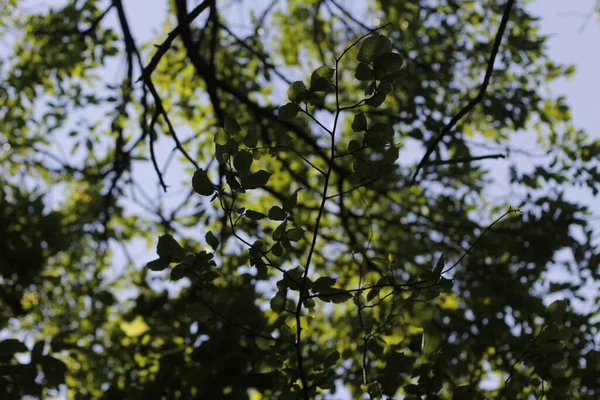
[(135, 328), (297, 92), (372, 47)]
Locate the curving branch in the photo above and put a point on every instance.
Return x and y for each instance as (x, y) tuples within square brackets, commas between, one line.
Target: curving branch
[(471, 105)]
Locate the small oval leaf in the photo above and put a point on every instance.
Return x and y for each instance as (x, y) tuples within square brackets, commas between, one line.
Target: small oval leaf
[(288, 112)]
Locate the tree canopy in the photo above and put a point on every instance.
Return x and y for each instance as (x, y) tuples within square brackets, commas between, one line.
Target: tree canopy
[(335, 197)]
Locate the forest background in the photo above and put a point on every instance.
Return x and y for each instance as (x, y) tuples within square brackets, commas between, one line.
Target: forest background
[(335, 187)]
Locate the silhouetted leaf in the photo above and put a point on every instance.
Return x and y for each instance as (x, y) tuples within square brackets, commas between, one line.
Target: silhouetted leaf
[(256, 180), (201, 184)]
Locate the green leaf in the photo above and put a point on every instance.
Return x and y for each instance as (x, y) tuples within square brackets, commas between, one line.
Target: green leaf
[(323, 284), (10, 347), (297, 92), (558, 309), (318, 85), (135, 328), (231, 125), (439, 267), (359, 123), (335, 295), (54, 370), (277, 250), (256, 180), (263, 343), (320, 80), (385, 88), (221, 137), (294, 234), (364, 72), (331, 359), (278, 232), (391, 155), (372, 47), (432, 338), (376, 100), (353, 146), (290, 202), (201, 184), (242, 162), (323, 72), (375, 390), (212, 240), (159, 264), (178, 272), (387, 63), (168, 248), (254, 215), (232, 181), (251, 139), (276, 213), (288, 112)]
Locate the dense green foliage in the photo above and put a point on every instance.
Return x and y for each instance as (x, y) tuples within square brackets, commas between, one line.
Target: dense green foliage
[(320, 195)]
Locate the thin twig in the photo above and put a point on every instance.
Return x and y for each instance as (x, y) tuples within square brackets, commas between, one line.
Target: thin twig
[(482, 89), (510, 210), (166, 44), (463, 160)]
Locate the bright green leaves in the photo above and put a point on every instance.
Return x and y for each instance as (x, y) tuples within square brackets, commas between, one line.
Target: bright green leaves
[(359, 123), (221, 138), (255, 180), (372, 47), (202, 184), (288, 111), (297, 92), (377, 62), (432, 338), (135, 328), (320, 80)]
